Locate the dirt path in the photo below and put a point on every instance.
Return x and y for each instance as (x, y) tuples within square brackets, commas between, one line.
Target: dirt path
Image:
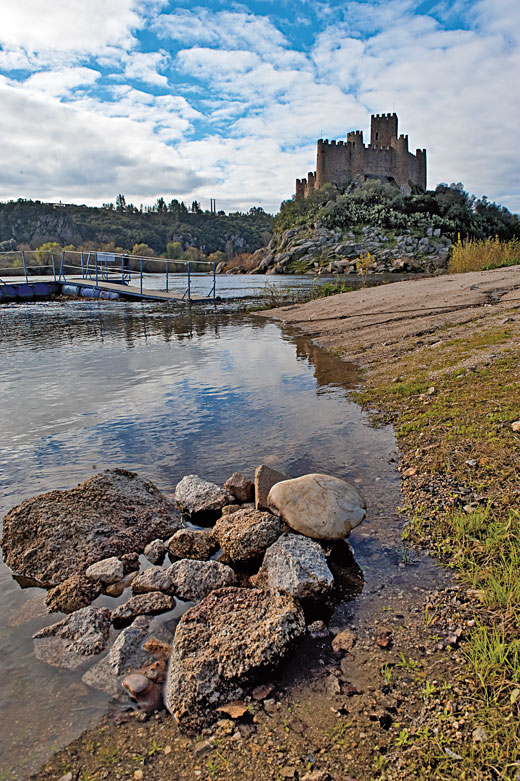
[(376, 324)]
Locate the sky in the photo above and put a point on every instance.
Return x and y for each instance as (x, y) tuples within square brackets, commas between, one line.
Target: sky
[(226, 100)]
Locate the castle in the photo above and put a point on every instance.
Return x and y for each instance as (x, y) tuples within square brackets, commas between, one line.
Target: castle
[(386, 158)]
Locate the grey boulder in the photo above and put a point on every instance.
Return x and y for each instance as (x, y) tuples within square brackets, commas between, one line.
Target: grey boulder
[(142, 604), (193, 580), (196, 496), (152, 579), (107, 571), (221, 644), (297, 566), (70, 642), (155, 552), (126, 654), (265, 478), (318, 506)]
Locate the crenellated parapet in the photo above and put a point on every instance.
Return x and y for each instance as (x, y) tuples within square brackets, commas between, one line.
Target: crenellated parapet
[(351, 161)]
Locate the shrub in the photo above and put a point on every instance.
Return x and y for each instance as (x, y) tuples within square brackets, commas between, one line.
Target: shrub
[(480, 255)]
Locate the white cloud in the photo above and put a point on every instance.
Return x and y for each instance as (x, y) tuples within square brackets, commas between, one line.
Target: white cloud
[(145, 66), (72, 25), (71, 152), (61, 82)]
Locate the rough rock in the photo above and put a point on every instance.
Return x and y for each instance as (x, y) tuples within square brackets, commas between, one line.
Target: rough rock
[(221, 644), (319, 506), (196, 496), (142, 604), (295, 565), (155, 552), (265, 478), (247, 534), (152, 579), (241, 487), (52, 536), (127, 653), (72, 594), (108, 571), (229, 509), (192, 544), (70, 642), (344, 641), (193, 580)]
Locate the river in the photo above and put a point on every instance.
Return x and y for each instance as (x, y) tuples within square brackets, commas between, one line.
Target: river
[(88, 385)]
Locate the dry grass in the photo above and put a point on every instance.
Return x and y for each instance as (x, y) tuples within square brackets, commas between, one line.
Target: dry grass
[(473, 255)]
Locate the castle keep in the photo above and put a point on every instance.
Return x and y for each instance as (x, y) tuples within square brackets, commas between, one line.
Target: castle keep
[(386, 158)]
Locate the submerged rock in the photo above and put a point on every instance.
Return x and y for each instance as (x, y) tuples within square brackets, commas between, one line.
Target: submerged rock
[(127, 653), (142, 604), (221, 644), (193, 580), (318, 506), (70, 642), (295, 565), (196, 496), (192, 544), (155, 552), (72, 594), (108, 571), (152, 579), (265, 478), (55, 535), (247, 533), (241, 487)]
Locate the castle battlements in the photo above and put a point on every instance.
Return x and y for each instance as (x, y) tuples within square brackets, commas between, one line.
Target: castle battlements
[(386, 157)]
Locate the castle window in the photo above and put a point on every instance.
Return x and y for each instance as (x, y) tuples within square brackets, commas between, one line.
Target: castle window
[(377, 136)]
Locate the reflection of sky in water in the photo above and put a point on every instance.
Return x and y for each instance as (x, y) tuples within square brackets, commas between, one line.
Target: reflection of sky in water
[(89, 385)]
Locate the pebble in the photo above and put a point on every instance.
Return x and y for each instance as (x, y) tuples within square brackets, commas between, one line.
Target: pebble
[(516, 425)]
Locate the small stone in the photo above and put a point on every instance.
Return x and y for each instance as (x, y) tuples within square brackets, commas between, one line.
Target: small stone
[(155, 552), (107, 570), (235, 709), (241, 488), (192, 544), (516, 425), (471, 462), (332, 686), (196, 496), (152, 579), (261, 692), (344, 641), (247, 534), (480, 735), (265, 478), (271, 706), (288, 772), (115, 589), (431, 391), (69, 643), (138, 774), (318, 775), (410, 472), (319, 506), (385, 639), (318, 629), (202, 747), (142, 604), (167, 750), (192, 580), (66, 777), (157, 648)]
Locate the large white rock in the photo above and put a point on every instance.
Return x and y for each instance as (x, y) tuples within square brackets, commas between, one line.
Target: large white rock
[(318, 506)]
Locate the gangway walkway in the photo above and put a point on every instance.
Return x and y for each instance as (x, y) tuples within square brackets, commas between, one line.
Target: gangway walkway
[(102, 275)]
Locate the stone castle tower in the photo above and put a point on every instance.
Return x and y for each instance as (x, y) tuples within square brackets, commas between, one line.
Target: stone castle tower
[(386, 158)]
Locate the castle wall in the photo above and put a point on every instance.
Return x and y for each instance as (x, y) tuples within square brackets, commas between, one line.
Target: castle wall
[(383, 128), (380, 162), (333, 163)]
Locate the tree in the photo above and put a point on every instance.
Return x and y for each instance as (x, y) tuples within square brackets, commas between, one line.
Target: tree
[(143, 250), (120, 203), (45, 252), (174, 250), (195, 208)]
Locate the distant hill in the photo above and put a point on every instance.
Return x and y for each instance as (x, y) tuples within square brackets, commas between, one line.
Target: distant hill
[(165, 229)]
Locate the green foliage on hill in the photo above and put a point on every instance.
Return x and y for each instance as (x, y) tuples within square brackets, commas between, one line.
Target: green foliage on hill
[(30, 224), (375, 203)]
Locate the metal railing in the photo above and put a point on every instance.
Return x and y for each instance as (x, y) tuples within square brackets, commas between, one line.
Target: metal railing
[(102, 266)]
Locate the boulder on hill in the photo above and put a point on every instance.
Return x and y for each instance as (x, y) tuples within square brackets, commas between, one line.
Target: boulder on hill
[(58, 534)]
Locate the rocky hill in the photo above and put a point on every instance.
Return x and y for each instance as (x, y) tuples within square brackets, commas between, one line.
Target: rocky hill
[(374, 228)]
